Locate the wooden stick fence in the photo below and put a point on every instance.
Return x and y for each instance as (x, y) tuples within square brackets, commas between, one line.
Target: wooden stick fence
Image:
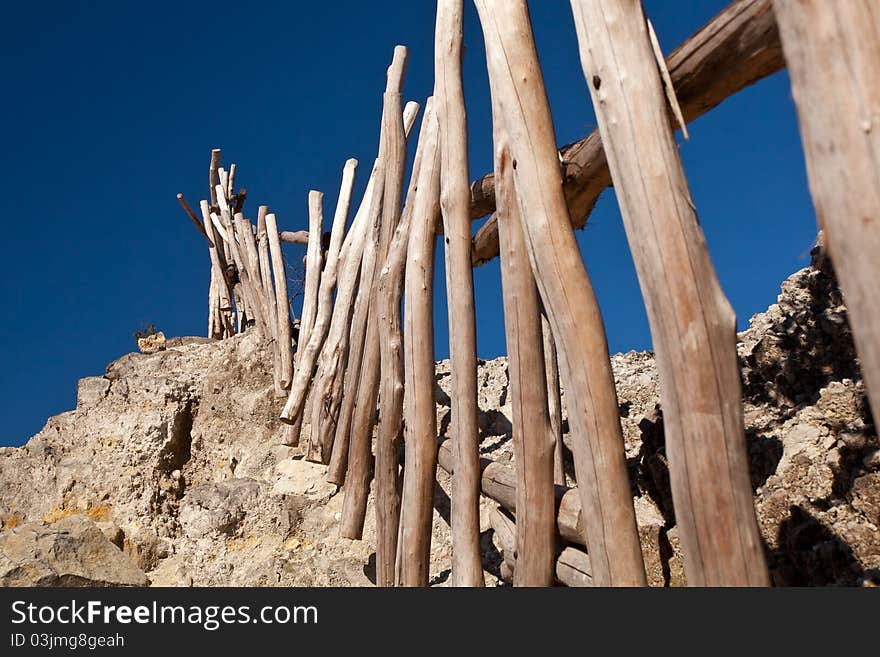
[(364, 356)]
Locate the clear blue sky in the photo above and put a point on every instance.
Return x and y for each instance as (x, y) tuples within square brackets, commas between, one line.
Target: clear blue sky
[(111, 108)]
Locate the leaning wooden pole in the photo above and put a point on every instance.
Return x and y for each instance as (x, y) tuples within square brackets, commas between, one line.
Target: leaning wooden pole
[(307, 357), (282, 303), (314, 259), (467, 569), (393, 135), (533, 441), (567, 293), (735, 49), (414, 548), (833, 54), (391, 391), (337, 354), (692, 324), (554, 399)]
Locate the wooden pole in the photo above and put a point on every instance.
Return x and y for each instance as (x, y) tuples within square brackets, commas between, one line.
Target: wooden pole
[(192, 216), (393, 149), (218, 263), (567, 294), (282, 303), (533, 441), (833, 50), (343, 365), (571, 566), (269, 295), (314, 259), (554, 400), (692, 324), (213, 178), (293, 409), (391, 391), (734, 50), (414, 549), (467, 569)]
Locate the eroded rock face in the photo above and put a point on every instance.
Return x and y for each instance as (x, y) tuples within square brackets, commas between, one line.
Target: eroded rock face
[(73, 551), (175, 459)]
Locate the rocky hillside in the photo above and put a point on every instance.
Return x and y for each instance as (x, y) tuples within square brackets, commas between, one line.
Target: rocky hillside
[(170, 470)]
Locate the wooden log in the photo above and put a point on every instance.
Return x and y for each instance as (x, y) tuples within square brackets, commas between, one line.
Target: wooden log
[(300, 237), (498, 483), (571, 566), (533, 441), (692, 323), (314, 259), (230, 187), (244, 230), (414, 549), (249, 292), (391, 391), (193, 217), (467, 569), (344, 368), (393, 150), (327, 386), (269, 296), (218, 268), (554, 399), (567, 293), (734, 50), (293, 409), (213, 178), (282, 302), (833, 50)]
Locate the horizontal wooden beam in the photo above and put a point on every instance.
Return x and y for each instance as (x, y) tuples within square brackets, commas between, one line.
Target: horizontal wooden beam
[(735, 49)]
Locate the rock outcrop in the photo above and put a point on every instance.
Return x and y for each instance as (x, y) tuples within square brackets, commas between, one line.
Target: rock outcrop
[(171, 469)]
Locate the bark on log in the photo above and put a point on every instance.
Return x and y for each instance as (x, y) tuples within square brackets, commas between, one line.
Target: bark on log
[(213, 179), (692, 324), (467, 569), (734, 50), (833, 53), (414, 549), (567, 294), (293, 409), (533, 441), (393, 149), (282, 303)]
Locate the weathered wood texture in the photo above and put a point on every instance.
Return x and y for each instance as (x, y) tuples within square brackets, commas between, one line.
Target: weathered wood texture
[(307, 356), (390, 431), (314, 261), (571, 566), (414, 546), (567, 293), (554, 399), (734, 50), (393, 155), (269, 296), (335, 363), (692, 324), (282, 303), (833, 54), (498, 483), (533, 442), (455, 207)]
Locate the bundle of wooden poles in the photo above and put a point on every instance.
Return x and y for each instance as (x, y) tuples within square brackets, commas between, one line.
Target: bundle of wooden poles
[(359, 366)]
